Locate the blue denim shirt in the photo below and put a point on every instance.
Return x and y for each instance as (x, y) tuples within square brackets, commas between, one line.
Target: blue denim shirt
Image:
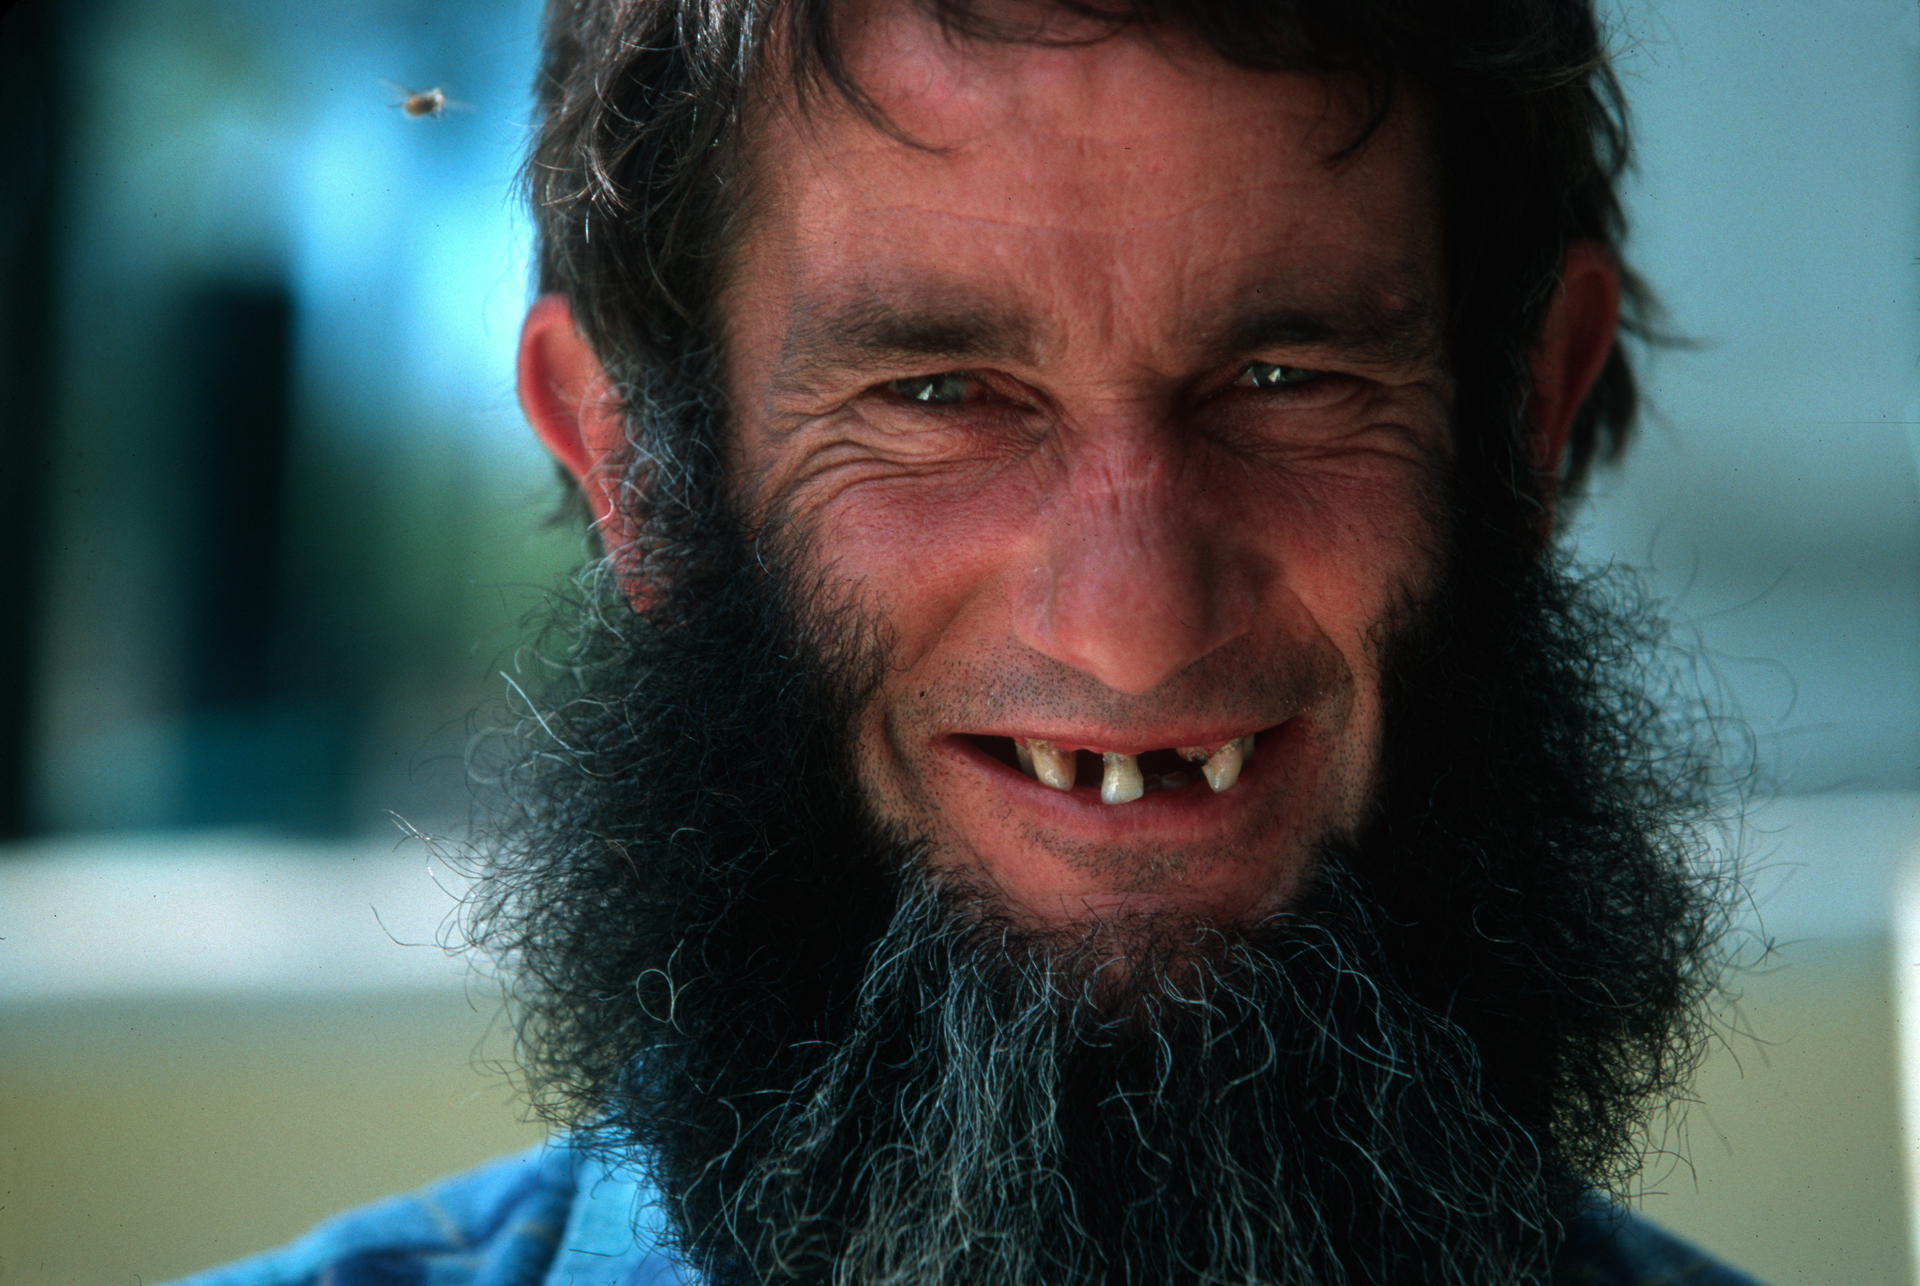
[(555, 1216)]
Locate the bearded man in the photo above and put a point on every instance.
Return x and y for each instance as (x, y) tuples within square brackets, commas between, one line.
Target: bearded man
[(1082, 761)]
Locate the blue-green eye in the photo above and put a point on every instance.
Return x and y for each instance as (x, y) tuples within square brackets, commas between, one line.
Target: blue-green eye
[(946, 389), (1266, 375)]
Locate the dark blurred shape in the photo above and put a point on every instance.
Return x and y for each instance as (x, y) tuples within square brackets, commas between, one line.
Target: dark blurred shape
[(33, 80), (263, 744), (263, 500), (238, 342)]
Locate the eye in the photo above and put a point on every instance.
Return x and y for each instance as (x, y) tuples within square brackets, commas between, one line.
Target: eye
[(1266, 375), (949, 388)]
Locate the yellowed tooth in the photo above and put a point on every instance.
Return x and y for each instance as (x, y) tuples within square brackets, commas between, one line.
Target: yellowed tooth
[(1024, 755), (1051, 765), (1223, 767), (1121, 783)]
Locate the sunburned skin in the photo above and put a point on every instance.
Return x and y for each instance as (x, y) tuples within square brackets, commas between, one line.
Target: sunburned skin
[(1121, 406), (1095, 413), (1112, 384)]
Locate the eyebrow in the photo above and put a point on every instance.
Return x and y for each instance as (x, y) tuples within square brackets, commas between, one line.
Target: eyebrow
[(877, 328), (1380, 321)]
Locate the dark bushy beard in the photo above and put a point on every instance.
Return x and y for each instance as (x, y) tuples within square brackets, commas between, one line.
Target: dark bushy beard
[(835, 1070)]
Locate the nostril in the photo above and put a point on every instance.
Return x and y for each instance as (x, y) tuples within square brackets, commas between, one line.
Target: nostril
[(1124, 615)]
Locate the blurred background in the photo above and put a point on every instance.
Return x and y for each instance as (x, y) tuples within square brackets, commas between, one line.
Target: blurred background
[(270, 526)]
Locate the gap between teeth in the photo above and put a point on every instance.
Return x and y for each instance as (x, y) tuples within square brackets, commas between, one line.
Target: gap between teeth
[(1120, 779)]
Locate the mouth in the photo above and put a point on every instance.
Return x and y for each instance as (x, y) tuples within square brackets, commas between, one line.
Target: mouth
[(1122, 777)]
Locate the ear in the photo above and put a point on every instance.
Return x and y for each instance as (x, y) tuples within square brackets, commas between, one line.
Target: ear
[(571, 404), (1568, 357)]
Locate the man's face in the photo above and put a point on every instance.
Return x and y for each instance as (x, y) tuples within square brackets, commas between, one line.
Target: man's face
[(1103, 412), (1122, 405)]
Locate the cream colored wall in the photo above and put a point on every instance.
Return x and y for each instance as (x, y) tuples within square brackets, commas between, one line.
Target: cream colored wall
[(1790, 1165), (140, 1139), (209, 1042), (143, 1139)]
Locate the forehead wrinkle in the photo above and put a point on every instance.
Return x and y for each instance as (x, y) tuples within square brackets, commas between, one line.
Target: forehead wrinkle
[(960, 189)]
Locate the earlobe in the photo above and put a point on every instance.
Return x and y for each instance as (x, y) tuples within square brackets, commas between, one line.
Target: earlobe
[(1566, 360), (574, 410)]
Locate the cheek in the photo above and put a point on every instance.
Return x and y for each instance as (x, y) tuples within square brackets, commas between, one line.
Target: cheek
[(938, 553), (1357, 551), (1356, 543), (921, 552)]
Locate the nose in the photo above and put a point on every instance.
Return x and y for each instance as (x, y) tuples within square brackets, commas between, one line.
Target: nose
[(1135, 575)]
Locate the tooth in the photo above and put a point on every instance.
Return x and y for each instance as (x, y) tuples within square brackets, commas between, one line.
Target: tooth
[(1193, 754), (1121, 783), (1223, 766), (1024, 755), (1052, 765)]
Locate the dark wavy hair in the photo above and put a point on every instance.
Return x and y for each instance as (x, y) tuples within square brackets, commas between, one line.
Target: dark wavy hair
[(638, 178)]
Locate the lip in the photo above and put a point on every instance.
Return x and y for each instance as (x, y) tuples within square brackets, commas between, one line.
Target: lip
[(1191, 813), (1170, 738), (1057, 857)]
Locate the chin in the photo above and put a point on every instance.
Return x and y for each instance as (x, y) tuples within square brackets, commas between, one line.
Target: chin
[(1142, 916), (1150, 893)]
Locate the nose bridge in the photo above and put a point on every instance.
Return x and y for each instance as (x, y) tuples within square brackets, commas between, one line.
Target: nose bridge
[(1127, 497), (1133, 575)]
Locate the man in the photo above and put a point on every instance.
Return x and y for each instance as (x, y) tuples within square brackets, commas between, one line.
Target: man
[(1081, 762)]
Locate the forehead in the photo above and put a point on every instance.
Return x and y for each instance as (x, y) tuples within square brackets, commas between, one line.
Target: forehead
[(1105, 183)]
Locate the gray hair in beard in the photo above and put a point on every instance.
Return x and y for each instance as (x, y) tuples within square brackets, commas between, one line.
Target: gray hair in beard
[(1282, 1113), (836, 1070)]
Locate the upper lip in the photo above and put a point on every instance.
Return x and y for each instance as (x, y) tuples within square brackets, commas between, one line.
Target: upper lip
[(1132, 742)]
